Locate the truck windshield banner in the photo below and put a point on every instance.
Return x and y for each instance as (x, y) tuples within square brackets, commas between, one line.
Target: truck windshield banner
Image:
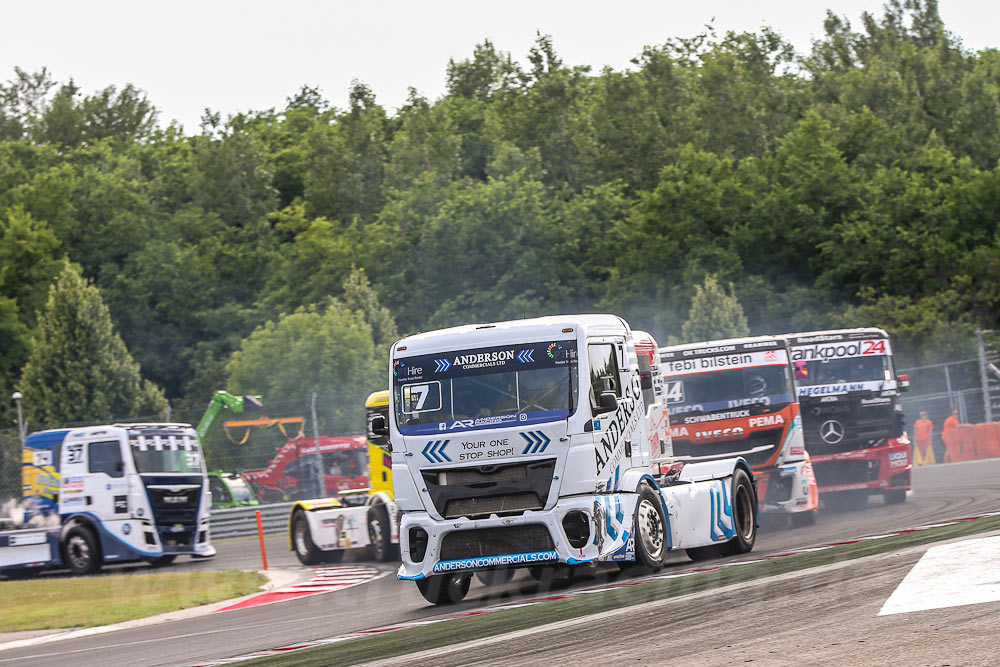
[(841, 350), (843, 367), (719, 362), (486, 387)]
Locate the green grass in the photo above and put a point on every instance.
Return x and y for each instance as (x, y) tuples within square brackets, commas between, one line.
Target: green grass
[(83, 602), (402, 642)]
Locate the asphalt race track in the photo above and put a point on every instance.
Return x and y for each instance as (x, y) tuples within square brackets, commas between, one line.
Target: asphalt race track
[(814, 622)]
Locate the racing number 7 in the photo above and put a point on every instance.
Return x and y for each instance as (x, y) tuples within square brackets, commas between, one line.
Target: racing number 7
[(415, 398)]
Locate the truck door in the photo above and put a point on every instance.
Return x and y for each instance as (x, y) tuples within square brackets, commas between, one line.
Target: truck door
[(73, 469), (609, 372), (106, 485)]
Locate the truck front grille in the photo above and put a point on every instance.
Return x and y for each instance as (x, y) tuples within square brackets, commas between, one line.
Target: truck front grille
[(516, 502), (495, 542), (483, 490), (833, 473)]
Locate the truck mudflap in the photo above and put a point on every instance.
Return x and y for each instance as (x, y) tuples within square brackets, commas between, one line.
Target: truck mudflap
[(787, 489), (883, 467)]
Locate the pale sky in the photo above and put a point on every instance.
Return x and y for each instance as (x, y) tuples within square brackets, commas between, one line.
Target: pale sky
[(236, 56)]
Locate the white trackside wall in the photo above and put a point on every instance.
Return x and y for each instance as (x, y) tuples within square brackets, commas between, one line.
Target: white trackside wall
[(579, 463)]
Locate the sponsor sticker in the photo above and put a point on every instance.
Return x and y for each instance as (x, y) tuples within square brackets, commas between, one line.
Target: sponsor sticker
[(530, 558)]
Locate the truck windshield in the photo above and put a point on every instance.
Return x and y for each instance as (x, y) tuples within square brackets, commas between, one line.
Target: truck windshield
[(149, 459), (713, 391), (840, 371), (512, 385)]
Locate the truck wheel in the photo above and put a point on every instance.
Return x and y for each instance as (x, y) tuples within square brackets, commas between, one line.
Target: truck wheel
[(895, 497), (495, 577), (744, 516), (444, 588), (650, 531), (306, 551), (380, 535), (81, 551), (801, 519), (161, 561)]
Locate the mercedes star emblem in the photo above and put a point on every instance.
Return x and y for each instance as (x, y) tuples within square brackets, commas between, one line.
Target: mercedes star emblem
[(832, 431)]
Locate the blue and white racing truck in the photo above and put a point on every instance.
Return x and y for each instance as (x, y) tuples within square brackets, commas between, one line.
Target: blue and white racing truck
[(109, 494), (541, 442)]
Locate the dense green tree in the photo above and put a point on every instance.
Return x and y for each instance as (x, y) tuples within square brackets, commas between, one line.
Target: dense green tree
[(714, 314), (79, 368), (852, 185), (328, 350)]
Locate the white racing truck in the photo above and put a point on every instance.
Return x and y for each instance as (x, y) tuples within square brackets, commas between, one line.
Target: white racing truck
[(109, 494), (542, 442)]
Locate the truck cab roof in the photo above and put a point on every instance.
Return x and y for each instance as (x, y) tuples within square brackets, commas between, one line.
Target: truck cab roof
[(832, 335), (724, 346), (486, 334)]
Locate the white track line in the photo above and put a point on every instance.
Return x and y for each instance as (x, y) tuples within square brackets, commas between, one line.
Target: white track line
[(950, 575)]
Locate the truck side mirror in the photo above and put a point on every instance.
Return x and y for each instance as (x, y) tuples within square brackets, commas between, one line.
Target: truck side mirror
[(379, 427), (608, 402), (904, 382)]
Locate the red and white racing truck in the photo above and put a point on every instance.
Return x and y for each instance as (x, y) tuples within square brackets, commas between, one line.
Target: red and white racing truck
[(737, 398), (851, 413)]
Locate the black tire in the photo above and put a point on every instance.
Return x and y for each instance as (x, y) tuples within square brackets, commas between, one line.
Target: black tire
[(305, 549), (444, 588), (802, 519), (380, 535), (895, 497), (744, 516), (495, 577), (649, 527), (81, 551), (161, 561)]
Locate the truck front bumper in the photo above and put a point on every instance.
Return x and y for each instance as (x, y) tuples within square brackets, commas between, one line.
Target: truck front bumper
[(579, 529), (884, 467), (787, 489)]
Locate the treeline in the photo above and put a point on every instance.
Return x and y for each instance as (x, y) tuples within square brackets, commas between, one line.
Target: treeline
[(279, 251)]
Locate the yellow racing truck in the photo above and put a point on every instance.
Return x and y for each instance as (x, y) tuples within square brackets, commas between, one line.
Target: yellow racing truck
[(321, 530)]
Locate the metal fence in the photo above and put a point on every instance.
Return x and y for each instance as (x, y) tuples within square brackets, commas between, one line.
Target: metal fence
[(242, 521)]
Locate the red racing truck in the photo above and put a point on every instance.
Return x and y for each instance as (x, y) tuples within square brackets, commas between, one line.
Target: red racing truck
[(852, 415), (737, 398), (291, 474)]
